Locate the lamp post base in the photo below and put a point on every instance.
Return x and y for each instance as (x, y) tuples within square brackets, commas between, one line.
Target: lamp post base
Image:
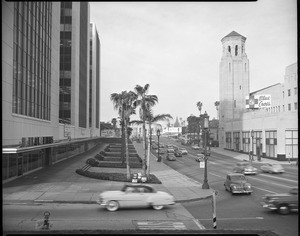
[(205, 185)]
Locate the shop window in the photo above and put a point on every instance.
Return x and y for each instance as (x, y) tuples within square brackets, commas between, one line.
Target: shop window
[(289, 92), (289, 106), (296, 106)]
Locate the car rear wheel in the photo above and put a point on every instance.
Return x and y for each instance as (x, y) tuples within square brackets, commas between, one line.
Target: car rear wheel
[(112, 206), (283, 209), (158, 207)]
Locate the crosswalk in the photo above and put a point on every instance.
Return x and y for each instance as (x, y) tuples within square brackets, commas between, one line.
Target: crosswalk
[(161, 225)]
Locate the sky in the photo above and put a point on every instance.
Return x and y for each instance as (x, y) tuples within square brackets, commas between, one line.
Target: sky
[(176, 48)]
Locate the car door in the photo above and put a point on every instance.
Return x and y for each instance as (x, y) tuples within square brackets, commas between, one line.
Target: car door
[(131, 197)]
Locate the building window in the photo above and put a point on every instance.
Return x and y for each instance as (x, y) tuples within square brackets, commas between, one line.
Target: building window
[(228, 140), (257, 142), (283, 94), (271, 144), (229, 49), (236, 141), (291, 143), (246, 141), (234, 103), (296, 106), (289, 106), (282, 107), (296, 91), (236, 50), (289, 92)]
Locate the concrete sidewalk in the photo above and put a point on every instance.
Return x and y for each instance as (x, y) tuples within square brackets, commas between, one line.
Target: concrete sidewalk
[(60, 184), (242, 157)]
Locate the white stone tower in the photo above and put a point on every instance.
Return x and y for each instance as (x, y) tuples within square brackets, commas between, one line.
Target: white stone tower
[(234, 82)]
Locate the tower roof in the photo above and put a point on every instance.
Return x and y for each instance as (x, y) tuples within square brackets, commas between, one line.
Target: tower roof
[(233, 33)]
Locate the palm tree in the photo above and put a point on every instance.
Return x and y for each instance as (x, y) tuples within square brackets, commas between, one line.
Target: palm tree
[(150, 119), (217, 104), (114, 122), (144, 101), (199, 106), (124, 103)]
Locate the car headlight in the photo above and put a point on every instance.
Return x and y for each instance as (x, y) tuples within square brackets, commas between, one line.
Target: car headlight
[(233, 186)]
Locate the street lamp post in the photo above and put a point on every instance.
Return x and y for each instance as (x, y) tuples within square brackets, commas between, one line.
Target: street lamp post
[(252, 136), (205, 127), (158, 134)]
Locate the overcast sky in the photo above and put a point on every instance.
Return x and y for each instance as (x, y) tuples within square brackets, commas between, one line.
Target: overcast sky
[(176, 48)]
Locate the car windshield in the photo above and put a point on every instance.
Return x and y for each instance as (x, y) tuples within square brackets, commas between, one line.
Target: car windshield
[(237, 177)]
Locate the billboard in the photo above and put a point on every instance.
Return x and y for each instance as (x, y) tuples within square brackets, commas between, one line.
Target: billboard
[(258, 101)]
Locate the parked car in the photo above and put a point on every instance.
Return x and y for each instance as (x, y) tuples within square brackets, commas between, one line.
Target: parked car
[(245, 168), (154, 146), (199, 157), (272, 168), (135, 195), (195, 147), (237, 183), (161, 151), (283, 203), (183, 151)]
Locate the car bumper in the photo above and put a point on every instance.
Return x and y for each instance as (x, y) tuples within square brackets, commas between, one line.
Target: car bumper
[(241, 191), (268, 206), (250, 172)]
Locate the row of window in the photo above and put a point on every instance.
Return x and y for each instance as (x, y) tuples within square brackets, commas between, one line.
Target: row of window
[(289, 92), (32, 59), (291, 142), (277, 108)]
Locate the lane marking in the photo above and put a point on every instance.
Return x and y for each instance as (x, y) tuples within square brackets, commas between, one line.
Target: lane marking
[(268, 182), (216, 175), (263, 189), (249, 218), (161, 225), (198, 224), (275, 177)]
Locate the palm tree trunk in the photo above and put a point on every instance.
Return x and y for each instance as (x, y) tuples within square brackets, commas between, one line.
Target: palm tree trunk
[(127, 153), (148, 155), (145, 148)]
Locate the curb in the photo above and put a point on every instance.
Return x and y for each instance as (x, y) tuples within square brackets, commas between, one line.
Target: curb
[(20, 202)]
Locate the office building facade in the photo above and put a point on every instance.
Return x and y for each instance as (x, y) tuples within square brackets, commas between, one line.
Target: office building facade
[(46, 84), (270, 132)]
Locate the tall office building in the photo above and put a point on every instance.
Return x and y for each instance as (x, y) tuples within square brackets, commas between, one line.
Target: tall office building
[(30, 71), (50, 91), (94, 81)]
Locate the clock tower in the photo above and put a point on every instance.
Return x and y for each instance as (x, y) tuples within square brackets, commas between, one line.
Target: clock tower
[(233, 82)]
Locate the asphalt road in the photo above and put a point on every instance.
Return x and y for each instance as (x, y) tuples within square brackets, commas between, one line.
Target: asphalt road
[(237, 211)]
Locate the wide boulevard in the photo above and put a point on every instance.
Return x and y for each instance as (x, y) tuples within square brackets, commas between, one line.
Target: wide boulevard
[(236, 211)]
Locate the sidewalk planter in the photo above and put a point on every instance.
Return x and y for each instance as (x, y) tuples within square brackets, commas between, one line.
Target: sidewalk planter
[(99, 157)]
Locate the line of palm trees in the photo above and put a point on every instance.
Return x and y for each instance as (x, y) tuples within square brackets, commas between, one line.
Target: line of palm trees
[(126, 104)]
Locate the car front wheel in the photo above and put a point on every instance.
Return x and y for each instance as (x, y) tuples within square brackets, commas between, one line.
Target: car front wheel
[(158, 207), (112, 206)]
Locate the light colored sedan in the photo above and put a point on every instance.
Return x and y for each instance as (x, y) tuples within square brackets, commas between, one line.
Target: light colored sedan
[(245, 168), (199, 157), (183, 151), (272, 168), (195, 147), (135, 195)]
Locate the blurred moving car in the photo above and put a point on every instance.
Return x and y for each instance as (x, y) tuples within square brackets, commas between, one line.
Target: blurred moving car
[(245, 168), (283, 203), (199, 157), (195, 147), (183, 151), (135, 195), (237, 183), (177, 153), (202, 150), (272, 168)]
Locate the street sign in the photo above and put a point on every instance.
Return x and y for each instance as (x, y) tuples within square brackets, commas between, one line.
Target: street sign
[(202, 164)]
